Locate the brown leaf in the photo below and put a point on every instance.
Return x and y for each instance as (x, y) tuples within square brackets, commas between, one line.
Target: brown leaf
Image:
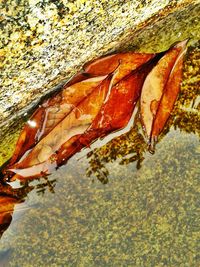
[(114, 114), (51, 113), (88, 105), (95, 102), (55, 109), (156, 83), (71, 127), (125, 63), (170, 93)]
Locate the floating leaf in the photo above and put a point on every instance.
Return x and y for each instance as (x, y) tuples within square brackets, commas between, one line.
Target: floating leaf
[(70, 128), (160, 90), (170, 94)]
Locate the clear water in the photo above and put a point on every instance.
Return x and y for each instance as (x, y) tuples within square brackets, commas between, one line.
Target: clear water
[(144, 217)]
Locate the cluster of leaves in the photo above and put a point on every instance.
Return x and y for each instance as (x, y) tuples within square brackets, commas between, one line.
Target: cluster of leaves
[(185, 116), (97, 101)]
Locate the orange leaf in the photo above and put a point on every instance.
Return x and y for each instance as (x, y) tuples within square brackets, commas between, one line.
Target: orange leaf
[(125, 62), (51, 112), (114, 114)]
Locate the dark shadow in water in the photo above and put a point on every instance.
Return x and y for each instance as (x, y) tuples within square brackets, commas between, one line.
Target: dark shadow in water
[(127, 148)]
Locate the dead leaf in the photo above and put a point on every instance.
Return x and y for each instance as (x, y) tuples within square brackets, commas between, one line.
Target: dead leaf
[(72, 126), (55, 109), (170, 94), (160, 90), (68, 115)]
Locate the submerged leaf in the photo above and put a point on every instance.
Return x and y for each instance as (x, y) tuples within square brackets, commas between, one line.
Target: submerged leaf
[(71, 127), (117, 110), (114, 114), (50, 113)]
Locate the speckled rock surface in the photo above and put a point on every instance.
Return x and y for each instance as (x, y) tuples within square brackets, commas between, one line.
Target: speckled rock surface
[(43, 43)]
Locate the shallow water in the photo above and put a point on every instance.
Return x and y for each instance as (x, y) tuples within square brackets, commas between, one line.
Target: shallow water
[(119, 205), (145, 217)]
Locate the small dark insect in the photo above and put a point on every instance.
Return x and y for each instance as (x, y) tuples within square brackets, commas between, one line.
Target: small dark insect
[(96, 102)]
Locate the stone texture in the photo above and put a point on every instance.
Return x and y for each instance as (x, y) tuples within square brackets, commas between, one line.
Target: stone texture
[(43, 43)]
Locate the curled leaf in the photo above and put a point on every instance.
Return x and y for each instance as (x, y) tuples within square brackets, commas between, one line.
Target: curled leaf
[(170, 94), (159, 87)]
